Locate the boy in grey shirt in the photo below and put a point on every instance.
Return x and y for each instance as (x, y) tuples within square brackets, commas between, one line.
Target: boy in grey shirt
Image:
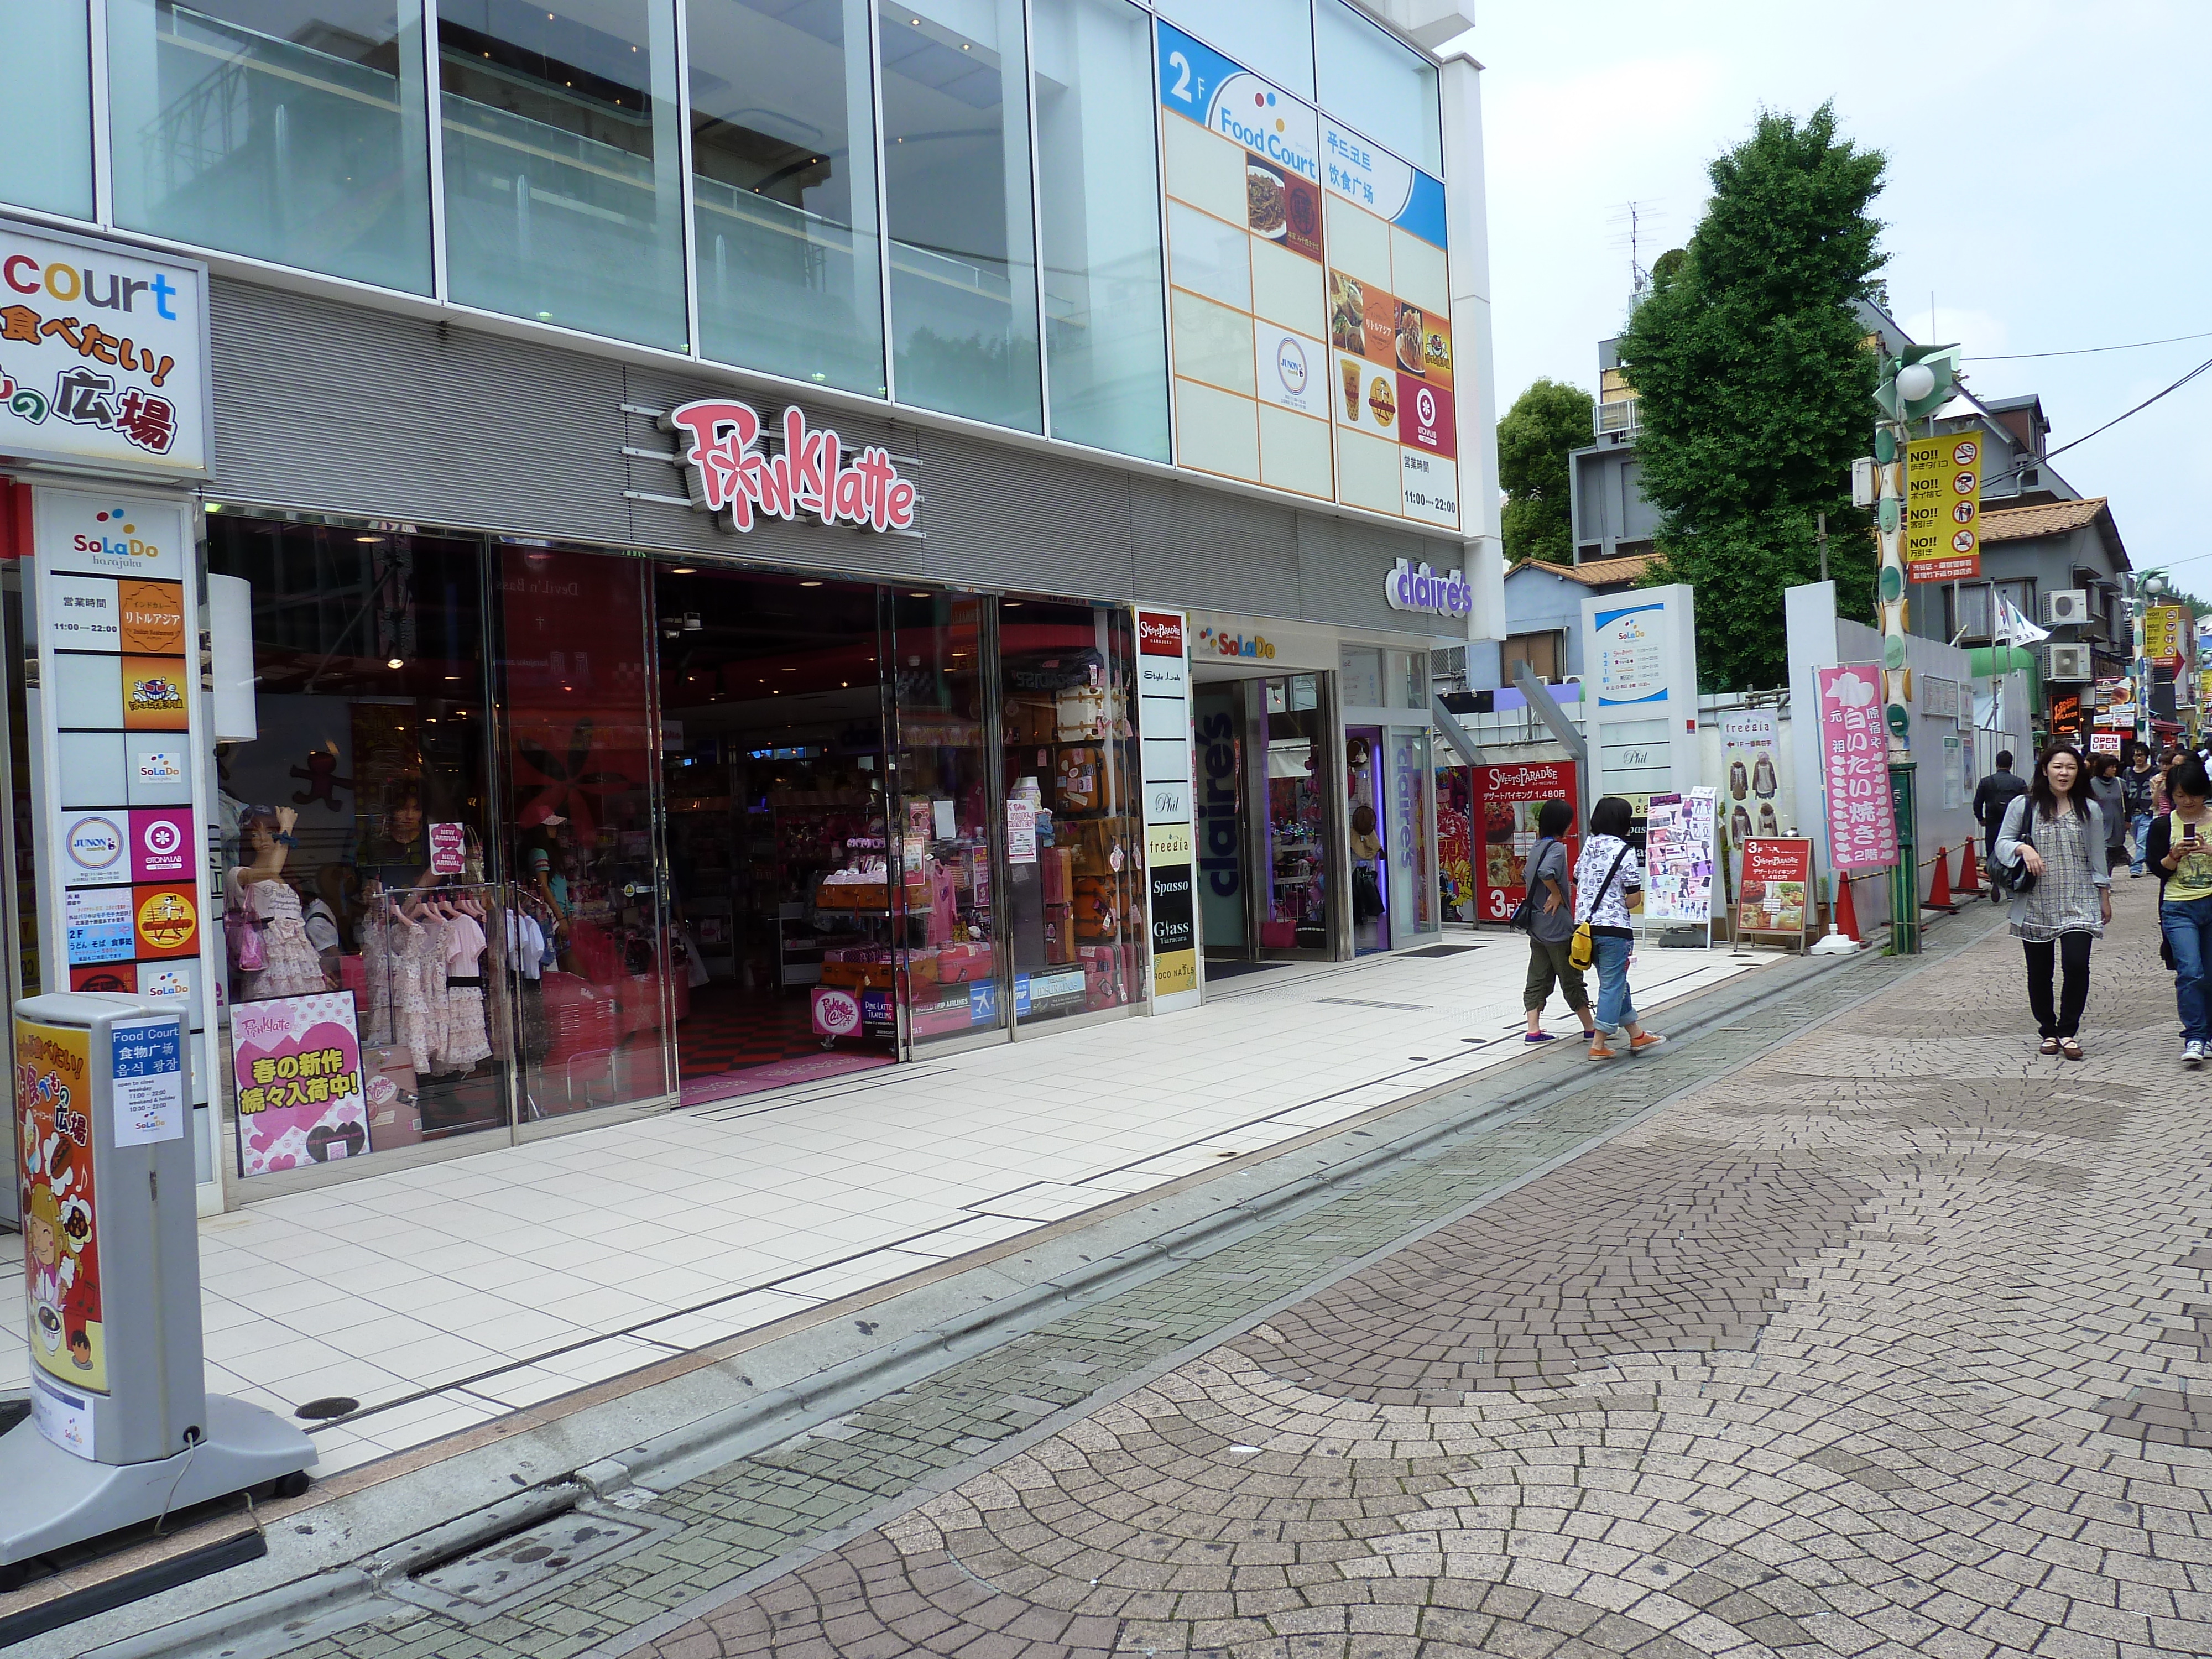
[(1552, 924)]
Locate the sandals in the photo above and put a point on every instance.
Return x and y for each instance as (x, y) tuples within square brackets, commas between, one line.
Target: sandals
[(2050, 1047), (2069, 1047)]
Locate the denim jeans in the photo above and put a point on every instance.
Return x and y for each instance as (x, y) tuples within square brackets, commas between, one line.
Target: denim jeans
[(2187, 924), (2140, 823), (1609, 957)]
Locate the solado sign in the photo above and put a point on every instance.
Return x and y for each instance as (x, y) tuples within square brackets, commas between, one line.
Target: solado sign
[(1410, 589), (726, 474)]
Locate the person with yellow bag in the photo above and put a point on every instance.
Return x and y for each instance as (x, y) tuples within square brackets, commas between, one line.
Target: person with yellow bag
[(1608, 886)]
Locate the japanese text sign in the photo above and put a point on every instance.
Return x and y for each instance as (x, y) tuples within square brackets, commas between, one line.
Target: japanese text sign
[(1503, 804), (1943, 507), (2166, 635), (297, 1062), (103, 355), (1854, 770), (1776, 874)]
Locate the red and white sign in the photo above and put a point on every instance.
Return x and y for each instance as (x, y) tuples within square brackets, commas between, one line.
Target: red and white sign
[(1502, 804), (2104, 743), (1854, 770), (1778, 875), (727, 475), (1159, 633), (449, 848), (837, 1012)]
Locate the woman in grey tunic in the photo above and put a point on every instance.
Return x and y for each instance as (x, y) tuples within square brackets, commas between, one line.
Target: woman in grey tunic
[(2057, 833)]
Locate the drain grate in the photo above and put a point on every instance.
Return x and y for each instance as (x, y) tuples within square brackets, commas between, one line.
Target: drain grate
[(1362, 1002), (526, 1564), (1441, 951)]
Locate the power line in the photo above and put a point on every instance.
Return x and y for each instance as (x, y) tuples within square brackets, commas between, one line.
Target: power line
[(2086, 352), (2137, 409)]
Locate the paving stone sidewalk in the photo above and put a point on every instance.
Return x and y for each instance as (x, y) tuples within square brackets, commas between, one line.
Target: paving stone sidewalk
[(1877, 1344)]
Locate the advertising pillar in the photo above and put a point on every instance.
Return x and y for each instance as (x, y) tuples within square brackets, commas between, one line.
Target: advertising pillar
[(1640, 686), (1163, 726), (121, 1429)]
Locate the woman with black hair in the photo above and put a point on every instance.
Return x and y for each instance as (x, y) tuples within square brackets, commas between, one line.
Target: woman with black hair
[(1552, 924), (2178, 847), (2057, 835), (1608, 880)]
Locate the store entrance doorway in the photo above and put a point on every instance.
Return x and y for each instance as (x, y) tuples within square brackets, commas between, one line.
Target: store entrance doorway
[(772, 765)]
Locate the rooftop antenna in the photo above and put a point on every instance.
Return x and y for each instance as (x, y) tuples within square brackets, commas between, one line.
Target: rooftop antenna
[(1629, 220)]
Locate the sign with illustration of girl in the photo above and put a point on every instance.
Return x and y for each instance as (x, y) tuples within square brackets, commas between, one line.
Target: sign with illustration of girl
[(61, 1247)]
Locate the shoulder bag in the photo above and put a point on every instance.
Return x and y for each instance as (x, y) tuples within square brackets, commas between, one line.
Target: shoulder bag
[(1582, 949), (2015, 878)]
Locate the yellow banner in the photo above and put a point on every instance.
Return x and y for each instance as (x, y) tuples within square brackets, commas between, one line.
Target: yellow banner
[(61, 1220), (1943, 507), (2163, 635)]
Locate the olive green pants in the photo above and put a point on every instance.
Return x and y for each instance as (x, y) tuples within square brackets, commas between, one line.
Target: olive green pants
[(1549, 963)]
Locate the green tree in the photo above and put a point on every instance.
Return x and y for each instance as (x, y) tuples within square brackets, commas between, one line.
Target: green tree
[(1546, 423), (1757, 385)]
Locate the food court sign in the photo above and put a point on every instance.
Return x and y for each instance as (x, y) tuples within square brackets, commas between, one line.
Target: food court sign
[(103, 355), (812, 475)]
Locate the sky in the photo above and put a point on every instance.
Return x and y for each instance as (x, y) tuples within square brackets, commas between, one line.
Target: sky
[(2050, 183)]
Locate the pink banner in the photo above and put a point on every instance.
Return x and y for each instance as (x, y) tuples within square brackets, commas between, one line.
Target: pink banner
[(1855, 768), (298, 1071)]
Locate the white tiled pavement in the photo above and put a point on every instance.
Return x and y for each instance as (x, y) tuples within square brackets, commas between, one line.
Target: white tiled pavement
[(454, 1293)]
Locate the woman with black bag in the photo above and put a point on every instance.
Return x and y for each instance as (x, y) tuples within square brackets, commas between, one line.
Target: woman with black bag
[(1548, 915), (2051, 850), (1607, 879)]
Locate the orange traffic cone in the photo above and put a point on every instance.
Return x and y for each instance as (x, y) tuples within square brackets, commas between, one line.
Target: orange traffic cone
[(1939, 896), (1970, 871), (1844, 917)]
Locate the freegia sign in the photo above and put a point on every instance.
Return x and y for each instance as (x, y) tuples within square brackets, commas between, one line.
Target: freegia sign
[(815, 475), (1410, 589)]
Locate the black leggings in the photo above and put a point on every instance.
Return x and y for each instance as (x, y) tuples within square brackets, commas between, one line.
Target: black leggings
[(2072, 953)]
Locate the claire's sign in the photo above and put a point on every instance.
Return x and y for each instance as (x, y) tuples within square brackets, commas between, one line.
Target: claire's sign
[(1408, 587), (814, 475)]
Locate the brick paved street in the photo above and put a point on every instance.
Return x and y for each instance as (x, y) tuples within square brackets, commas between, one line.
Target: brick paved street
[(1880, 1336)]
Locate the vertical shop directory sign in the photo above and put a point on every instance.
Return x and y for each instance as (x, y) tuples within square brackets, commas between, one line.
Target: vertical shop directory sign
[(1164, 732), (1389, 332), (1308, 297), (1854, 770)]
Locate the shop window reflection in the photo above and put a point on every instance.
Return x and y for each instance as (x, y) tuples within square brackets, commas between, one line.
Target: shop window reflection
[(1296, 911), (369, 752), (1073, 915)]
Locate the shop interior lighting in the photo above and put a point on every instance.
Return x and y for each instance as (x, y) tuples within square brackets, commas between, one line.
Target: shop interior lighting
[(809, 584), (395, 662), (683, 570)]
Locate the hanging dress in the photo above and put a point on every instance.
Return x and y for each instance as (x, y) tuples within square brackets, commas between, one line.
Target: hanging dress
[(294, 966)]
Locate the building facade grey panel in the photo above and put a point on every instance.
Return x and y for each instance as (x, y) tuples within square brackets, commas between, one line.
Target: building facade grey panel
[(1012, 518), (1220, 552), (342, 409), (1341, 566)]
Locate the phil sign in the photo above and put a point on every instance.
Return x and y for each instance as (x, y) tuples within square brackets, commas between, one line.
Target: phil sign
[(728, 477), (103, 355)]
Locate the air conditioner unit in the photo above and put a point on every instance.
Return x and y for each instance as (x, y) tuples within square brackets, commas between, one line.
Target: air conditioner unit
[(2068, 662), (2066, 607)]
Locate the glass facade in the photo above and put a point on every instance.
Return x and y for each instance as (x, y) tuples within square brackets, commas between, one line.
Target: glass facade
[(783, 184), (1105, 337), (964, 318), (45, 108), (290, 130), (1377, 84), (563, 187), (952, 204)]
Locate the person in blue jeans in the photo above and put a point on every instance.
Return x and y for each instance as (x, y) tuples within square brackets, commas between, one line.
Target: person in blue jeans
[(1608, 879), (2180, 850), (2139, 786)]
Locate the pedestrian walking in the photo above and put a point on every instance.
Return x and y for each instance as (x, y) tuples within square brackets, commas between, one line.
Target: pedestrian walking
[(2180, 851), (1552, 925), (2138, 784), (2111, 801), (2054, 834), (1991, 796), (2161, 803), (1608, 884)]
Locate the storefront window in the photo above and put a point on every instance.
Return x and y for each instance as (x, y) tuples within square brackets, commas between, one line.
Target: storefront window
[(291, 130), (952, 907), (1218, 725), (783, 165), (1104, 336), (1361, 669), (45, 108), (575, 675), (772, 757), (563, 197), (1074, 835), (1412, 859), (355, 893), (957, 199), (1296, 913), (1377, 84)]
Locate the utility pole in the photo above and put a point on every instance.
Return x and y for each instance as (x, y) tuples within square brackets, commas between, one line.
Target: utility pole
[(1916, 383)]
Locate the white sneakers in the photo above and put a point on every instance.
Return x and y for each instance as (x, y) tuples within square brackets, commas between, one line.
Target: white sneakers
[(2192, 1054)]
